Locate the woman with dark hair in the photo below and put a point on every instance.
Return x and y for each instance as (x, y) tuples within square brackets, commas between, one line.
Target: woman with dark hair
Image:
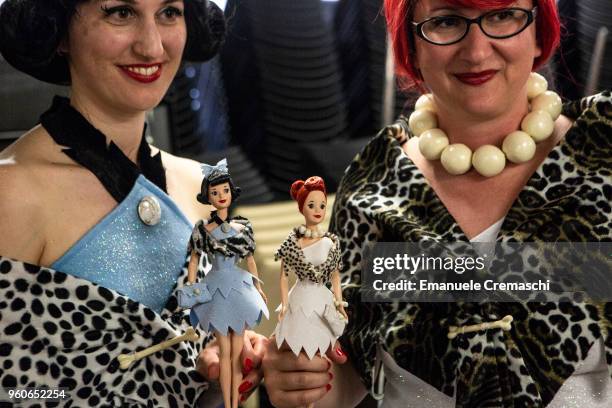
[(488, 156), (94, 220), (231, 299)]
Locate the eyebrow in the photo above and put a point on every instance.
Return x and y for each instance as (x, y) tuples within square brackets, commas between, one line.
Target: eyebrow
[(132, 2), (458, 10)]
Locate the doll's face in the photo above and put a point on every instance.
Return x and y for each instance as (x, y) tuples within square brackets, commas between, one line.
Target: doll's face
[(220, 196), (314, 208)]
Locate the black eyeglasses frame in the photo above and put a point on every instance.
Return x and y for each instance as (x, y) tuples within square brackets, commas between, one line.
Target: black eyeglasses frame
[(531, 15)]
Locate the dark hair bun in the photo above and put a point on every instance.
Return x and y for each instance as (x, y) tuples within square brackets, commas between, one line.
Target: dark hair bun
[(295, 189), (30, 34), (205, 30)]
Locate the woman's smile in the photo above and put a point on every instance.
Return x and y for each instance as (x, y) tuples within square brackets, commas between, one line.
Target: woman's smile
[(476, 78), (145, 73)]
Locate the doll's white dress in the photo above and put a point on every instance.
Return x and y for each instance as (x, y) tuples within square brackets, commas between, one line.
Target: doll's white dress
[(305, 324)]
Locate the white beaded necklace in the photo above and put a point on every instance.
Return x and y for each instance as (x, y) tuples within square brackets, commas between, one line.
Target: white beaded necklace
[(488, 160), (308, 233)]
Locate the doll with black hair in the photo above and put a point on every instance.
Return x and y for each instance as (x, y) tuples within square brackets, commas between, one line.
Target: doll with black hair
[(229, 299)]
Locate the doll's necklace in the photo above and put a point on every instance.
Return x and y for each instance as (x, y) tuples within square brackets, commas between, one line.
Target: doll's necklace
[(308, 233), (225, 227), (488, 160)]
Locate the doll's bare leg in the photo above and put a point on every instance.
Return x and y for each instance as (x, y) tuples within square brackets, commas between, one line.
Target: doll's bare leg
[(225, 368), (237, 345)]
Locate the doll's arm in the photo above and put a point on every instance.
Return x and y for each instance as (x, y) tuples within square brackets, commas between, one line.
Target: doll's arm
[(284, 289), (337, 289), (252, 268), (193, 266)]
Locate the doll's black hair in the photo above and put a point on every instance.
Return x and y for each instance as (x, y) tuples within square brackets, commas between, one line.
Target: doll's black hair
[(31, 32), (214, 179)]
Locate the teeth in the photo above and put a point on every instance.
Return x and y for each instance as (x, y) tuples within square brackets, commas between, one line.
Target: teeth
[(144, 71)]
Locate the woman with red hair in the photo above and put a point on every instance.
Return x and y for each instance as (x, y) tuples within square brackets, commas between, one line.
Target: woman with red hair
[(489, 155)]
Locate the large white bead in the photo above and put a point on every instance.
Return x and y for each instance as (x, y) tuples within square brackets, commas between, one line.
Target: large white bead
[(432, 142), (456, 158), (489, 160), (425, 101), (548, 101), (422, 120), (536, 84), (538, 124), (519, 147)]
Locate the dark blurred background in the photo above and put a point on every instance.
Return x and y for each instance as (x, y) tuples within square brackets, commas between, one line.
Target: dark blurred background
[(299, 88)]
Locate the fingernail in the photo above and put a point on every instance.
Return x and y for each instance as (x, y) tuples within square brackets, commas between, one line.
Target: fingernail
[(331, 376), (328, 365), (209, 373), (247, 366), (242, 397), (340, 352), (328, 387), (245, 386)]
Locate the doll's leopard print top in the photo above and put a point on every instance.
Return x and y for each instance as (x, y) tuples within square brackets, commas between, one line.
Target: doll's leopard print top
[(384, 197), (294, 259)]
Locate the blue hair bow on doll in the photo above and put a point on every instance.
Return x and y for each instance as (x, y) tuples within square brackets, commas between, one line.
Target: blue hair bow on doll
[(221, 166)]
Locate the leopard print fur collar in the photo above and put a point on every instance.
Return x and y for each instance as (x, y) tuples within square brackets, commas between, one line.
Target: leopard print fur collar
[(241, 244), (294, 259), (383, 197)]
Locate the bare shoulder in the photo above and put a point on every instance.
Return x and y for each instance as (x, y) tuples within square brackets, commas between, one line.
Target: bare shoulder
[(183, 180), (23, 175), (189, 170)]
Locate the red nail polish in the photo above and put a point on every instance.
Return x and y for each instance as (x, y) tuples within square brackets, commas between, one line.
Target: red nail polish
[(331, 376), (328, 387), (242, 398), (340, 352), (247, 366), (245, 386)]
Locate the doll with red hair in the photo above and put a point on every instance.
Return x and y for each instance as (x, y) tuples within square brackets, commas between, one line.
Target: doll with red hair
[(311, 316)]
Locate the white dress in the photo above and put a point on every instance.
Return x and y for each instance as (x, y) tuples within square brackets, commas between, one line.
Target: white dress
[(304, 325)]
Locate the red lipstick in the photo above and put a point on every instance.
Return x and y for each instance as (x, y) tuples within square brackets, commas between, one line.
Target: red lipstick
[(476, 78), (144, 73)]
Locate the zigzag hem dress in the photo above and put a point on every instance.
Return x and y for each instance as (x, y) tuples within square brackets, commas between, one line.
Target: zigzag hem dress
[(304, 325), (235, 302)]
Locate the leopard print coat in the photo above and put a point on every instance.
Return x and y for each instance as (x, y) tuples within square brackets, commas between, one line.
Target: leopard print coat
[(384, 197), (57, 330)]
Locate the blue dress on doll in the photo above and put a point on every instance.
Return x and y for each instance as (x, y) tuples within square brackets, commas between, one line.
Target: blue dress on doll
[(235, 302)]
